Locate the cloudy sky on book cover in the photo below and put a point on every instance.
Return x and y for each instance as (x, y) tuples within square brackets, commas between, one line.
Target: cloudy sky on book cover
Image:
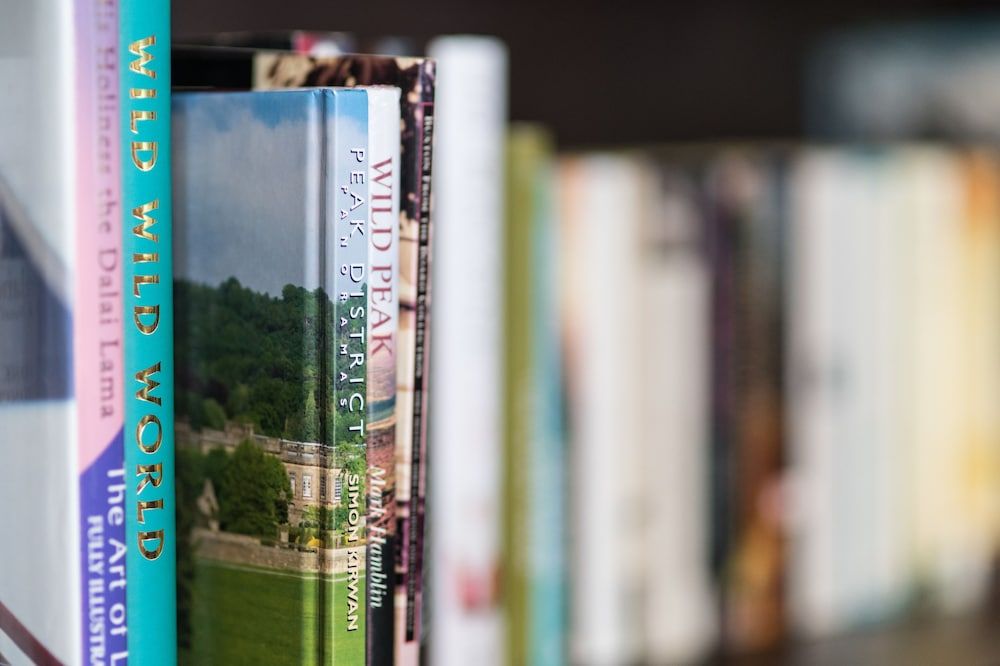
[(252, 207)]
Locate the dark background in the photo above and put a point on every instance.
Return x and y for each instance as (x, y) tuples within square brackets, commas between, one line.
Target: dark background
[(612, 72)]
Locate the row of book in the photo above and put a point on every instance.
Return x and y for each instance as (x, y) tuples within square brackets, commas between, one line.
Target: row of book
[(780, 418), (213, 346), (783, 393), (671, 402), (749, 393), (781, 412)]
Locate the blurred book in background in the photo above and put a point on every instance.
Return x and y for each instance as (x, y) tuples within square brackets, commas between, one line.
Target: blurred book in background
[(466, 422), (933, 79), (62, 489), (534, 539), (602, 198), (679, 608), (745, 216)]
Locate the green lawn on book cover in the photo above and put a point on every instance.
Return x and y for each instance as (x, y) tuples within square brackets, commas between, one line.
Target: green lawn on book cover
[(243, 615)]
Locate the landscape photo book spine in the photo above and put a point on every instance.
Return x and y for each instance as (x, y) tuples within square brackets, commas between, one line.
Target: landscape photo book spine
[(264, 512), (416, 80), (346, 275)]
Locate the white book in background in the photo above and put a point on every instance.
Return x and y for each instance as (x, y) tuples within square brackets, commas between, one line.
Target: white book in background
[(464, 458), (602, 203), (62, 579), (889, 235), (849, 546), (870, 532), (679, 617), (854, 471), (811, 367)]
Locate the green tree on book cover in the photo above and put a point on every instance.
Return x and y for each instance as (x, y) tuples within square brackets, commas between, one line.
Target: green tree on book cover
[(262, 489)]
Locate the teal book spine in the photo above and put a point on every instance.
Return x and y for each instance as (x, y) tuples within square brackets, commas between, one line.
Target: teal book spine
[(347, 274), (148, 331), (548, 557)]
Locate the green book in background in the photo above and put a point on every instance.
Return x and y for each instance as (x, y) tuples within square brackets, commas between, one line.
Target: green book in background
[(534, 453)]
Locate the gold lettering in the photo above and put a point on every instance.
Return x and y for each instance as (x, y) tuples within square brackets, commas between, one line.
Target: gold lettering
[(138, 48), (140, 310), (149, 384), (139, 280), (147, 505), (145, 257), (151, 474), (150, 536), (140, 147), (142, 93), (141, 213), (136, 117), (140, 431)]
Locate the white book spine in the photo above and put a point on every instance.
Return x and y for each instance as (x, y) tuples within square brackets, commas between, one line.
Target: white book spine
[(383, 362), (41, 585), (679, 622), (464, 458), (812, 588), (602, 207)]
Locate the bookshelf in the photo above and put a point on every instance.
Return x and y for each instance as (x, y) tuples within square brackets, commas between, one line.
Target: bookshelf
[(599, 76)]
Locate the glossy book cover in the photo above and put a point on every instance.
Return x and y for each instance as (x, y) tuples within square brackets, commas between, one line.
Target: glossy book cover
[(270, 298), (415, 77)]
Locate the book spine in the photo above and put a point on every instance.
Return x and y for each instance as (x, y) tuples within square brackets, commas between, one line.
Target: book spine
[(812, 398), (465, 475), (889, 240), (98, 336), (519, 390), (383, 321), (678, 605), (534, 554), (605, 608), (347, 271), (935, 180), (414, 361), (547, 554), (979, 240), (144, 40), (744, 199), (528, 444)]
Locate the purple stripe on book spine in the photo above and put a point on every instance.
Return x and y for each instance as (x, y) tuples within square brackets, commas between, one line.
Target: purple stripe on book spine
[(102, 545)]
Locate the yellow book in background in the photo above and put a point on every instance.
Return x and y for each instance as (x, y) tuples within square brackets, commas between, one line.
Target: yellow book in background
[(936, 201), (975, 465)]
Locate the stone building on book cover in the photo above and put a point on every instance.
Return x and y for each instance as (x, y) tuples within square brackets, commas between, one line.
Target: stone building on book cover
[(313, 481)]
